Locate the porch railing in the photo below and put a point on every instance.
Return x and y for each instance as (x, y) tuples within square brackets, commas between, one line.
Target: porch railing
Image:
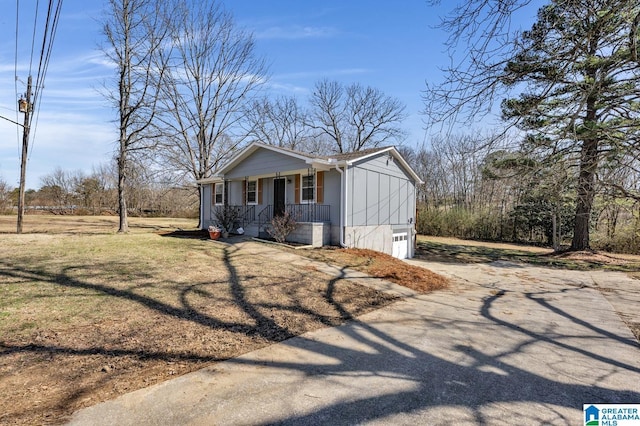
[(300, 212), (264, 217), (309, 212), (248, 214), (245, 214)]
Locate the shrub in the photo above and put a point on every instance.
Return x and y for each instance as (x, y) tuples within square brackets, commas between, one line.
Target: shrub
[(226, 216), (282, 226)]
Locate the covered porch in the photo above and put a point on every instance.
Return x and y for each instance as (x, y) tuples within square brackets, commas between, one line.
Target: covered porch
[(255, 200), (246, 215)]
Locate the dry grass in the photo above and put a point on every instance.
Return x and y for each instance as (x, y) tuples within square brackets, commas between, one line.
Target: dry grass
[(454, 250), (381, 265), (451, 241), (83, 225), (87, 316)]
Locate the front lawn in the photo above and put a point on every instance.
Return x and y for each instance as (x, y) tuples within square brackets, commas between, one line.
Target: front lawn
[(87, 314)]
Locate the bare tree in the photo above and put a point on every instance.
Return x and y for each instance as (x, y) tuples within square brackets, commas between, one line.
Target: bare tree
[(107, 176), (134, 33), (355, 117), (279, 122), (5, 196), (58, 187), (214, 70), (480, 41)]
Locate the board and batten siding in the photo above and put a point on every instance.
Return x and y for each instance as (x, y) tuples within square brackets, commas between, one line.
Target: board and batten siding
[(332, 196), (264, 162), (380, 193)]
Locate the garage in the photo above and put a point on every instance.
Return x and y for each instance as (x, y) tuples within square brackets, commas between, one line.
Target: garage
[(400, 248)]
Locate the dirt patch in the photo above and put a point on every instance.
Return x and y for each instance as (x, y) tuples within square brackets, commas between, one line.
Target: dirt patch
[(87, 317), (596, 257), (380, 265), (451, 241), (635, 329)]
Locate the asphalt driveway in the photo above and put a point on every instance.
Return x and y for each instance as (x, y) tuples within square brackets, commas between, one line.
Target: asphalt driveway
[(507, 344)]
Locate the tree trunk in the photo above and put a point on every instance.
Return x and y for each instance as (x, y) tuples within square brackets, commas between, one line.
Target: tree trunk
[(122, 202), (586, 192), (554, 231)]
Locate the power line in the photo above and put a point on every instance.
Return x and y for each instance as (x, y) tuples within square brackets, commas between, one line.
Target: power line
[(32, 106), (15, 70), (48, 38), (33, 37), (51, 27)]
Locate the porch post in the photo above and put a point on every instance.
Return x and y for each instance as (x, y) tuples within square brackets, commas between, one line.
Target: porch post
[(225, 193)]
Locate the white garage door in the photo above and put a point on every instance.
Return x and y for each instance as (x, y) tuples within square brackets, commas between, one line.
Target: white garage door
[(400, 245)]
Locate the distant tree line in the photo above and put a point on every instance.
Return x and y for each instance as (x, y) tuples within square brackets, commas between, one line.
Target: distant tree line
[(477, 189), (473, 188), (96, 193)]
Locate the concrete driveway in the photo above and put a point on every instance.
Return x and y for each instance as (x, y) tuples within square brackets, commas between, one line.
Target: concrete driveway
[(507, 344)]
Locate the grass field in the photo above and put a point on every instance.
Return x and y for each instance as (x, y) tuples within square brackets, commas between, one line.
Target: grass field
[(87, 314)]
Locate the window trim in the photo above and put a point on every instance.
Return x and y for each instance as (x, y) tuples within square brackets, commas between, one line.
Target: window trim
[(215, 193), (255, 191), (313, 189)]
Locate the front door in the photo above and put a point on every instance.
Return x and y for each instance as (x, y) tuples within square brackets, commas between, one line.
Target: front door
[(278, 196)]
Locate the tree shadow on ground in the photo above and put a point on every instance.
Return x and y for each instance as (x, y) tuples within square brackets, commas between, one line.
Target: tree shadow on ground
[(458, 253), (442, 374), (259, 322), (201, 234), (457, 364)]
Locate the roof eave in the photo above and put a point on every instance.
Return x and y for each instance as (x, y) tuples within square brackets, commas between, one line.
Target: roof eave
[(212, 179), (396, 154)]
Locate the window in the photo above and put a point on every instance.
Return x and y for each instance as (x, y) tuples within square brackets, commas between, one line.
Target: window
[(218, 193), (307, 188), (252, 192)]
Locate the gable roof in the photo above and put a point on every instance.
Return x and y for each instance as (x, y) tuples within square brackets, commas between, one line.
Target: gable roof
[(327, 161)]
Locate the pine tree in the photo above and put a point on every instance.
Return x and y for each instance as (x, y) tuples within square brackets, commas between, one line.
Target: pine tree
[(578, 78)]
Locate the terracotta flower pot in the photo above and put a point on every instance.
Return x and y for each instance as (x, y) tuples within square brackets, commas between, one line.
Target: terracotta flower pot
[(214, 235)]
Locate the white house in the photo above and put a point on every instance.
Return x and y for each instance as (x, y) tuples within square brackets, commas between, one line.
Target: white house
[(364, 199)]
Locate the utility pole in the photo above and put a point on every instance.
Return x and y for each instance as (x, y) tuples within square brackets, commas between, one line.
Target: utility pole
[(25, 148)]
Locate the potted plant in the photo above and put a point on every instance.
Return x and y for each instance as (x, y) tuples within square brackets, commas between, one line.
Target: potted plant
[(214, 232)]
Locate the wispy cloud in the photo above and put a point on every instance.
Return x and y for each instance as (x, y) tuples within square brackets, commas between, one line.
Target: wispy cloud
[(305, 80), (289, 88), (296, 32), (322, 73)]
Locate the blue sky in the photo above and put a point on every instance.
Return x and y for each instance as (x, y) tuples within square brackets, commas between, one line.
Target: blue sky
[(392, 46)]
